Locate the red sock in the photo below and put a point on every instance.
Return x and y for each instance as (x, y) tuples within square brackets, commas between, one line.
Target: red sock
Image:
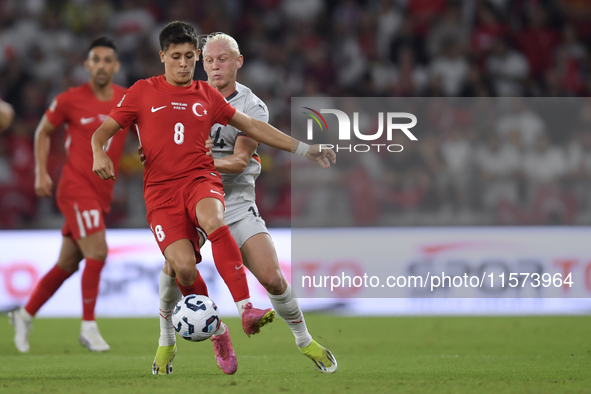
[(91, 278), (45, 288), (226, 256), (198, 287)]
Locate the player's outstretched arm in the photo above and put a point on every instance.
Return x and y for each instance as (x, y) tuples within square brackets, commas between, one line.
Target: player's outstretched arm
[(43, 182), (236, 163), (6, 115), (102, 164), (267, 134)]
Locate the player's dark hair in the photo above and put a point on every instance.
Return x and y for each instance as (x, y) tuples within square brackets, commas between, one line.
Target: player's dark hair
[(103, 42), (176, 33)]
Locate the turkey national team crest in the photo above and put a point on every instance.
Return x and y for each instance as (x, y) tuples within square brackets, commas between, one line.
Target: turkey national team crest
[(199, 110), (196, 318)]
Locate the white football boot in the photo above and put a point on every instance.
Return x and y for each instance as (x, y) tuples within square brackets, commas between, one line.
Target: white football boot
[(22, 321), (91, 337)]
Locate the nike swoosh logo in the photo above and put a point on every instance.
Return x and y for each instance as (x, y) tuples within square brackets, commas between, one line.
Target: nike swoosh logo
[(239, 266), (213, 191), (157, 109), (86, 120)]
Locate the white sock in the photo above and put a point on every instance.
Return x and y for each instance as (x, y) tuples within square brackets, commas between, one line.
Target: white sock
[(240, 305), (26, 316), (88, 325), (169, 295), (221, 330), (286, 305)]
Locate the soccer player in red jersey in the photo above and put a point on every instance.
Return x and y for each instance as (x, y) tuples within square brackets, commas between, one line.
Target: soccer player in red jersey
[(82, 198), (236, 159), (182, 189), (6, 115)]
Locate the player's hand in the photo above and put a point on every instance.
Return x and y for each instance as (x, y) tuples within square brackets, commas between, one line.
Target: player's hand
[(140, 152), (103, 166), (43, 185), (323, 156), (208, 146)]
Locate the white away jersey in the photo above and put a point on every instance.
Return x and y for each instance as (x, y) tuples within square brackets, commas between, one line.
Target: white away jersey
[(239, 188)]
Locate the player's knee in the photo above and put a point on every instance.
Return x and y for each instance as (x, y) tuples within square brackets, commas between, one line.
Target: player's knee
[(184, 267), (274, 284), (98, 252), (70, 266), (211, 223), (186, 275)]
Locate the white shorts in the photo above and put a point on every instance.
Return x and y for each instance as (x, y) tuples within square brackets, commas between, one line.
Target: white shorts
[(246, 227)]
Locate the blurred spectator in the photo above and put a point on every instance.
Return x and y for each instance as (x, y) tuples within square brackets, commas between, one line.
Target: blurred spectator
[(579, 166), (409, 78), (130, 24), (408, 39), (499, 164), (457, 153), (449, 28), (388, 24), (508, 69), (545, 167), (522, 123), (425, 12), (537, 41), (486, 32), (452, 67)]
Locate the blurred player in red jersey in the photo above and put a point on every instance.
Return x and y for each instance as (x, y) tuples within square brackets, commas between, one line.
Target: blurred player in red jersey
[(182, 189), (6, 115), (82, 198)]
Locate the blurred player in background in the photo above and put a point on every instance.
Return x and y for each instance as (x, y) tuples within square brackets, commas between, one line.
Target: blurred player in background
[(236, 159), (6, 115), (82, 198)]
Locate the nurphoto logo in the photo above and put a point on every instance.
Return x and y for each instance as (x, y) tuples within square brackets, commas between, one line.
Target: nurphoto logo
[(344, 132)]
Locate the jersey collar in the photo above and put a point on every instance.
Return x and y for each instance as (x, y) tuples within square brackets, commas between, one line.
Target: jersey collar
[(230, 97)]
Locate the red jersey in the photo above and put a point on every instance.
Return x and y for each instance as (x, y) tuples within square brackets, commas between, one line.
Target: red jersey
[(173, 123), (83, 113)]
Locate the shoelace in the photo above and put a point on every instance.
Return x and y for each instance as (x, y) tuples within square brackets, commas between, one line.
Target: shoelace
[(220, 349)]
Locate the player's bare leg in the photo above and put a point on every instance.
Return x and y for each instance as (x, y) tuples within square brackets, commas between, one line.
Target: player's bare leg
[(94, 249), (228, 261), (181, 257), (260, 257), (21, 318)]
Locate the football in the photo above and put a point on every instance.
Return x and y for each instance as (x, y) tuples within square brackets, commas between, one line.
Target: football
[(195, 318)]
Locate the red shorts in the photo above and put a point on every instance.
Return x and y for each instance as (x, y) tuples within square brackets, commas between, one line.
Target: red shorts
[(175, 219), (84, 216)]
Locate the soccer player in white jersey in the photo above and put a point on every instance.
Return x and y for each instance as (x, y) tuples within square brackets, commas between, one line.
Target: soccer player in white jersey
[(236, 159)]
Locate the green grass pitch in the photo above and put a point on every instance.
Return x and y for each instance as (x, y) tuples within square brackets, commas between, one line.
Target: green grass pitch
[(375, 354)]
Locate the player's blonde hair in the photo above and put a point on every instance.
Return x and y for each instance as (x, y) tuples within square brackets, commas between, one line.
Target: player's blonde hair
[(213, 37)]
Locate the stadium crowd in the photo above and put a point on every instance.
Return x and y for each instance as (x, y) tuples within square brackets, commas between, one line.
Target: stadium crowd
[(485, 165)]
